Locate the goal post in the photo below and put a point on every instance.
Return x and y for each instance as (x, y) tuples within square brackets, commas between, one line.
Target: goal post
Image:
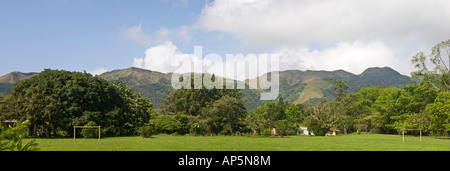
[(75, 127), (403, 133)]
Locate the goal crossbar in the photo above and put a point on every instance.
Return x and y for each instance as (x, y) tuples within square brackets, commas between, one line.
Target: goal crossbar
[(403, 133), (75, 127)]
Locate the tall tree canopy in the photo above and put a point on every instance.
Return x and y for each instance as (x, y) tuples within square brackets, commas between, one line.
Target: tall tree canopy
[(57, 100), (439, 77), (204, 110)]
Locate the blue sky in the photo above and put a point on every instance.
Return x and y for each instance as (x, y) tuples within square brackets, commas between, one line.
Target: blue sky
[(103, 35), (82, 34)]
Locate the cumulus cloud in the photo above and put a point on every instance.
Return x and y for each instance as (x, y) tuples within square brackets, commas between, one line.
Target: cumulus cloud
[(274, 22), (136, 34), (354, 57), (163, 34), (163, 58), (167, 58), (330, 34), (98, 71), (312, 35)]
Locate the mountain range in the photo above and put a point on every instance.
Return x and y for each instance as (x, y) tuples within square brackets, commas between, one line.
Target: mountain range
[(295, 86)]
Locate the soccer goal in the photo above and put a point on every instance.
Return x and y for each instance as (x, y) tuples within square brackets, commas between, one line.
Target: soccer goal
[(75, 127), (403, 133)]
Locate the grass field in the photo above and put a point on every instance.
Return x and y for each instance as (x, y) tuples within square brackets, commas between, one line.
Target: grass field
[(366, 142)]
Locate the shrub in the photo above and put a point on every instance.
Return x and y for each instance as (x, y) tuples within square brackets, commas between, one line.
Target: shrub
[(90, 132), (146, 131), (11, 138), (267, 132), (169, 124), (315, 127), (196, 129)]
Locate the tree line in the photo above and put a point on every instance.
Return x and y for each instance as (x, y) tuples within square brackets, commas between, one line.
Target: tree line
[(423, 105)]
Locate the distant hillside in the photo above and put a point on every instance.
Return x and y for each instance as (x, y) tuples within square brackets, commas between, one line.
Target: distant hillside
[(378, 77), (7, 81), (151, 84), (136, 76), (312, 86), (295, 86), (14, 77)]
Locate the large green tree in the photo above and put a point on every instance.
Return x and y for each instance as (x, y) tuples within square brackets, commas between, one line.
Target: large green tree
[(226, 114), (438, 115), (57, 100), (439, 76), (279, 114), (210, 110)]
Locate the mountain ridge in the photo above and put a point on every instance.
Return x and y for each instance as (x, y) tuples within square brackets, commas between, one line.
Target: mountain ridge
[(295, 86)]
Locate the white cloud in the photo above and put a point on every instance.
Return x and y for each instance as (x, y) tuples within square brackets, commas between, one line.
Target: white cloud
[(136, 34), (353, 57), (274, 22), (312, 35), (331, 34), (160, 57), (167, 58), (98, 71)]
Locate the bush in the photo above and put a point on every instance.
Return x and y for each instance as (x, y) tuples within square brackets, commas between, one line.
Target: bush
[(315, 127), (267, 132), (11, 138), (196, 129), (90, 132), (146, 131), (169, 124)]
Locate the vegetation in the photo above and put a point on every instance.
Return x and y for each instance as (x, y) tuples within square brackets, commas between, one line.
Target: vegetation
[(55, 101), (11, 138), (202, 111), (286, 118)]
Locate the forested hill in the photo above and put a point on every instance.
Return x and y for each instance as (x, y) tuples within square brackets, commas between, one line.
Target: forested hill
[(378, 77), (295, 86), (8, 80)]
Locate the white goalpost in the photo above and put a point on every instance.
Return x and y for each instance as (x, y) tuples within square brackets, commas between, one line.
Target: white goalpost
[(403, 133)]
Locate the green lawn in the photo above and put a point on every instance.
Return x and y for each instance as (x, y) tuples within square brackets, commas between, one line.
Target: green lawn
[(366, 142)]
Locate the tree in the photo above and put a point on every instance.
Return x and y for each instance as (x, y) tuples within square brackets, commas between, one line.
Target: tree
[(257, 120), (226, 114), (169, 124), (439, 77), (315, 127), (7, 105), (285, 118), (340, 88), (89, 132), (321, 118), (192, 101), (439, 115), (11, 138), (57, 100), (214, 110)]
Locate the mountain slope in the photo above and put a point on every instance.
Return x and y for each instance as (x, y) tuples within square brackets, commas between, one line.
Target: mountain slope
[(312, 86), (378, 77), (14, 77), (295, 86), (150, 84), (7, 81)]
